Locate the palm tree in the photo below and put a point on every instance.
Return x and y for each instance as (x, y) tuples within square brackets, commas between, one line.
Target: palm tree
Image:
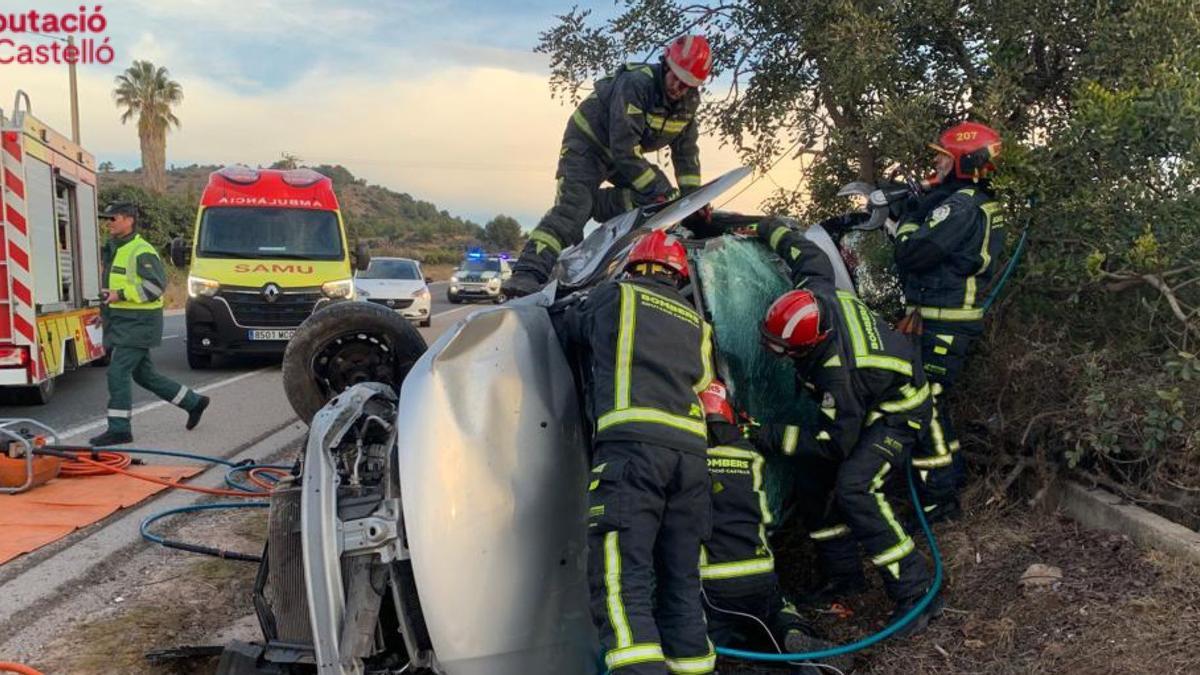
[(149, 93)]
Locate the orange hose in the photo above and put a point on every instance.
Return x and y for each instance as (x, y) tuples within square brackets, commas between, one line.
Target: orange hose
[(268, 485), (110, 468), (76, 468), (9, 667)]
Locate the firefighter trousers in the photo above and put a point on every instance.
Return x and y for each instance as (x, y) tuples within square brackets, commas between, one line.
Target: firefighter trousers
[(937, 460), (861, 514), (132, 364), (649, 511), (737, 566), (577, 197)]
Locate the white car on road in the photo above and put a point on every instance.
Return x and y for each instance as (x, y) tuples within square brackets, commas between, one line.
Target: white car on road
[(396, 283)]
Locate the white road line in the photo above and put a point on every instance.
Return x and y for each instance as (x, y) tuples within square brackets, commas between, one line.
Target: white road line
[(170, 337), (451, 311), (84, 428)]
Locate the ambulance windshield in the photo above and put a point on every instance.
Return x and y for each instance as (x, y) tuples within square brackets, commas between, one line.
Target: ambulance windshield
[(269, 233)]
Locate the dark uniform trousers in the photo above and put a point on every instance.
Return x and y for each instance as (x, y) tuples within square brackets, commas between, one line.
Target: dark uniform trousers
[(860, 513), (737, 566), (937, 460), (649, 512), (134, 363)]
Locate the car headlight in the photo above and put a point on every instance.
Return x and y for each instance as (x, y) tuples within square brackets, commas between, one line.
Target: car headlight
[(421, 293), (342, 288), (201, 287)]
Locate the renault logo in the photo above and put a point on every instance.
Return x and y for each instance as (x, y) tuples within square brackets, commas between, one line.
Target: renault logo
[(271, 292)]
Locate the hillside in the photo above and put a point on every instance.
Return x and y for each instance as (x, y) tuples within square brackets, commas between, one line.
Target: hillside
[(389, 221)]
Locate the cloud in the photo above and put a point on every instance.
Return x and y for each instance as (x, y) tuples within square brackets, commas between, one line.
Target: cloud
[(476, 141)]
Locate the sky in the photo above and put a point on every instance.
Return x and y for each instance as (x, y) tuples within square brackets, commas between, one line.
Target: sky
[(442, 99)]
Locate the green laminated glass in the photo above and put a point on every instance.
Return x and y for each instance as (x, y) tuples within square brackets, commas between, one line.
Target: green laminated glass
[(741, 279)]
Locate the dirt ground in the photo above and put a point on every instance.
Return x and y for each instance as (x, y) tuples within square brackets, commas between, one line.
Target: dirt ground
[(1117, 609)]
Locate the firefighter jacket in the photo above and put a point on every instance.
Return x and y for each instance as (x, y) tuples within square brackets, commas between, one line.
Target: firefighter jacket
[(627, 115), (646, 353), (947, 251), (864, 371), (133, 268)]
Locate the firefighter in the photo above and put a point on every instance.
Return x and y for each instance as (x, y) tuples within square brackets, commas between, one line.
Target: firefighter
[(133, 317), (737, 566), (638, 109), (947, 248), (646, 355), (873, 402)]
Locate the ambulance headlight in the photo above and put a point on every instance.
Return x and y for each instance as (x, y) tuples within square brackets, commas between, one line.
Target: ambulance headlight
[(199, 287), (342, 288)]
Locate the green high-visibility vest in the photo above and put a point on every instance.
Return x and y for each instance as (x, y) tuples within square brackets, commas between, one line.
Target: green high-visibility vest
[(123, 276)]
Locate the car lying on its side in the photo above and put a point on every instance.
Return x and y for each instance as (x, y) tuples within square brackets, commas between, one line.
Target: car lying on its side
[(437, 521), (396, 283)]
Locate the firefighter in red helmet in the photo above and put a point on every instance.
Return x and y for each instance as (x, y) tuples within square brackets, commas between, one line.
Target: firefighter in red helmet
[(948, 246), (646, 353), (874, 401), (637, 110), (742, 596)]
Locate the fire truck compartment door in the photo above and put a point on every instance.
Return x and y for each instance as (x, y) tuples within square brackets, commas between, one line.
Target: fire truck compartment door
[(89, 241), (43, 245)]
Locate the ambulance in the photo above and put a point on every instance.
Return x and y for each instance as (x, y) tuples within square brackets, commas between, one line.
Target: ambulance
[(269, 249), (49, 257)]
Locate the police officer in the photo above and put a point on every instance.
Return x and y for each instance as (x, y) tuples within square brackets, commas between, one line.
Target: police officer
[(638, 109), (947, 247), (133, 318), (646, 355), (874, 404), (737, 566)]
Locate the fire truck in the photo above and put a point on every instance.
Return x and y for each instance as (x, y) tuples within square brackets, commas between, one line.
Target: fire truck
[(49, 257)]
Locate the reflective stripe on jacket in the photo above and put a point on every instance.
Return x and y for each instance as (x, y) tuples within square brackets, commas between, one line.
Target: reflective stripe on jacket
[(648, 353), (125, 276), (947, 252)]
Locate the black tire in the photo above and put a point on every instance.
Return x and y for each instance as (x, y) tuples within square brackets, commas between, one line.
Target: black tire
[(38, 394), (343, 344), (199, 360), (426, 323), (453, 298), (500, 299)]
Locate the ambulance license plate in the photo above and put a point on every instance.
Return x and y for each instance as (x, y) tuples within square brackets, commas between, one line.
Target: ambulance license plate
[(272, 334)]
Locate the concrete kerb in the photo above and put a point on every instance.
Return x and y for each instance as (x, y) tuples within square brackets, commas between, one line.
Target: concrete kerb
[(42, 580), (1097, 508)]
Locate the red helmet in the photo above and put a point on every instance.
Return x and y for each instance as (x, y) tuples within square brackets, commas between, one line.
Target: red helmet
[(716, 403), (690, 58), (661, 248), (793, 323), (972, 146)]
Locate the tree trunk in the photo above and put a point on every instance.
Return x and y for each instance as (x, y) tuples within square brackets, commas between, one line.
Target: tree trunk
[(153, 142)]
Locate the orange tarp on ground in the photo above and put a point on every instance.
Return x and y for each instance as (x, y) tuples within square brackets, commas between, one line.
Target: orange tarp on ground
[(49, 512)]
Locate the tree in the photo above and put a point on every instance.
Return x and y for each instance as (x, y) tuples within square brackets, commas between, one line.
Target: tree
[(1102, 320), (106, 166), (148, 93), (287, 161), (503, 233)]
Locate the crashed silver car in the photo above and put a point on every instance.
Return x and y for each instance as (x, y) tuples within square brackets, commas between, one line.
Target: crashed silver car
[(436, 522)]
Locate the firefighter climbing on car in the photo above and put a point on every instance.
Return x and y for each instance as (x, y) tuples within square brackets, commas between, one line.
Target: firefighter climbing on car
[(638, 109)]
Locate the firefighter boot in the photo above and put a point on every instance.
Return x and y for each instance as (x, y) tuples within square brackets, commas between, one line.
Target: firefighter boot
[(532, 270), (800, 637), (921, 622), (195, 413), (110, 438)]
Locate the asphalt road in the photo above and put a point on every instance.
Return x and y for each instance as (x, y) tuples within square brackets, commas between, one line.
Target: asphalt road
[(82, 396)]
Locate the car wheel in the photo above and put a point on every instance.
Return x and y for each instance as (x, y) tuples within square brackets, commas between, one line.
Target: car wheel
[(342, 345), (500, 299), (452, 298), (38, 394), (199, 360), (426, 323)]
